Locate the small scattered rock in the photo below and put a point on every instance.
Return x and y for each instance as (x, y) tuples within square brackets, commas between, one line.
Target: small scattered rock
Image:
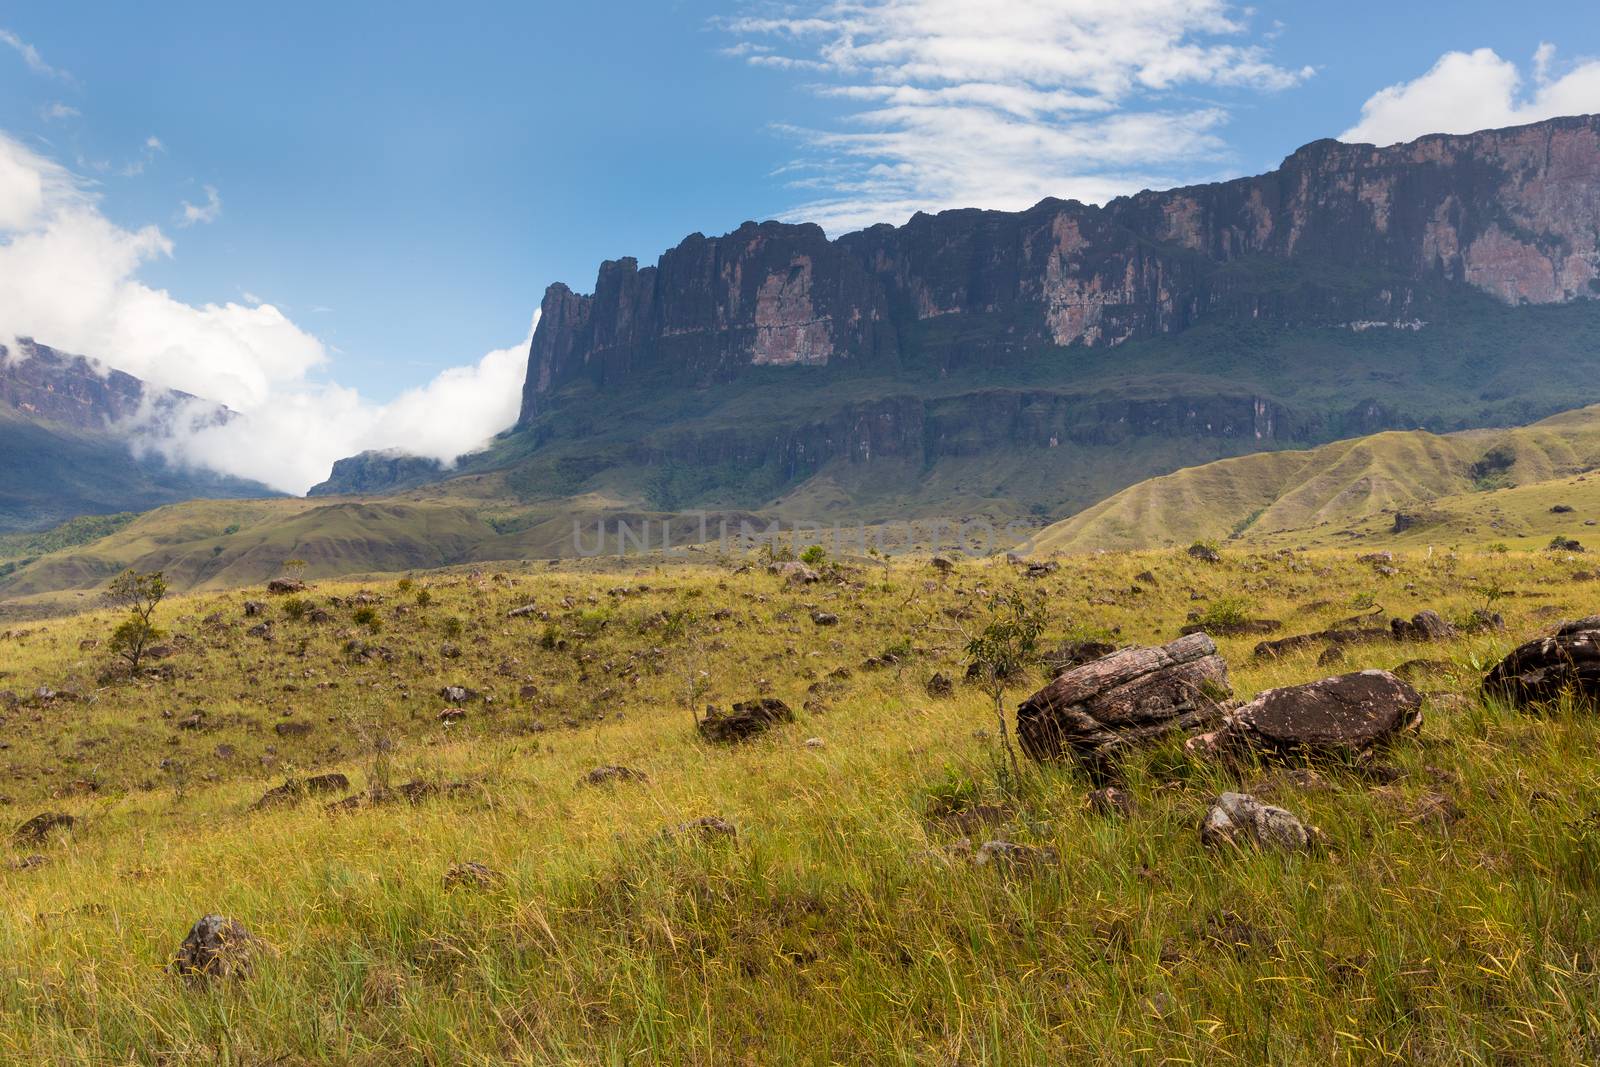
[(1110, 800), (609, 774), (217, 947), (745, 720), (1239, 819), (1423, 626), (707, 828), (824, 618), (471, 875), (292, 728)]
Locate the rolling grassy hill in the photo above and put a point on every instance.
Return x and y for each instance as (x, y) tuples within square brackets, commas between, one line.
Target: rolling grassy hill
[(1448, 486)]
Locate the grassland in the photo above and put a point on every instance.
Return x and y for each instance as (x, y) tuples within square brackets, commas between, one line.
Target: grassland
[(1462, 488), (1451, 918)]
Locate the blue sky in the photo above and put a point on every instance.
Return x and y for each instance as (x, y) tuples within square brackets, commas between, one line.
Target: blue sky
[(401, 181)]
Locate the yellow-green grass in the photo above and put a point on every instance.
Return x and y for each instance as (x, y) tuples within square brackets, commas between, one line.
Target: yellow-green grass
[(839, 927)]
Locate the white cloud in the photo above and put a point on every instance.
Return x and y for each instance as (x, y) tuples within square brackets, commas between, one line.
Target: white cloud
[(69, 279), (30, 55), (1469, 91), (56, 111), (202, 213), (1000, 104)]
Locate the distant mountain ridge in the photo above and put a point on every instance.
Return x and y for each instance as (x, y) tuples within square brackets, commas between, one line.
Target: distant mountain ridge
[(1033, 363), (66, 426), (1367, 234)]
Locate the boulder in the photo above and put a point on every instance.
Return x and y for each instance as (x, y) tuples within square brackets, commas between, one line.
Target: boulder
[(333, 782), (1540, 671), (1204, 553), (1126, 697), (42, 826), (1239, 820), (795, 573), (1346, 715), (471, 875), (217, 947), (940, 685), (746, 719), (1423, 626), (284, 586), (824, 618)]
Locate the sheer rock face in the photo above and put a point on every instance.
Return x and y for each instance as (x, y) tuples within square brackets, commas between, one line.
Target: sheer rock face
[(1126, 697), (1513, 213)]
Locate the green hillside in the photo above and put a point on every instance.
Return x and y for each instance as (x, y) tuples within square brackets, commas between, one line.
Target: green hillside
[(1442, 485)]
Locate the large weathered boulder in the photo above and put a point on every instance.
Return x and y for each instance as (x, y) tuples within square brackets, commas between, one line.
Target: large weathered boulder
[(1540, 671), (1123, 698), (744, 720), (1239, 819), (1341, 716), (284, 586)]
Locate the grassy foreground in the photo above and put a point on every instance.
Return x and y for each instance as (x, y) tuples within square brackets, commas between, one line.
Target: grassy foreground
[(1453, 917)]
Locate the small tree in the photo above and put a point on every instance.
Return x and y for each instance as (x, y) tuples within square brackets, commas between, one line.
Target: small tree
[(138, 595), (1001, 654)]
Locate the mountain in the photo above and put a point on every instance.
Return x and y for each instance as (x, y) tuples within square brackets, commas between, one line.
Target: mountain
[(1398, 488), (65, 431), (1035, 362)]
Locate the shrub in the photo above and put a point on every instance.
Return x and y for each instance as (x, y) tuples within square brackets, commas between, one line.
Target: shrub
[(367, 616), (452, 627), (814, 556), (138, 594), (296, 607), (1226, 611), (424, 598)]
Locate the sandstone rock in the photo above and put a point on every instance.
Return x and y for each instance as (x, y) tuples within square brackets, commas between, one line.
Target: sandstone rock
[(795, 573), (216, 947), (1542, 670), (42, 826), (1341, 716), (745, 720), (1423, 626), (609, 774), (1239, 819), (523, 612), (253, 608), (292, 728), (1124, 698), (1075, 654), (452, 715), (471, 875), (321, 784), (1204, 553), (707, 828), (940, 685), (1110, 800), (824, 618), (1012, 857), (284, 586)]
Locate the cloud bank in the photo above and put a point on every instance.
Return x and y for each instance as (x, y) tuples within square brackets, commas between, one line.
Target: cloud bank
[(1470, 91), (69, 279), (1001, 104)]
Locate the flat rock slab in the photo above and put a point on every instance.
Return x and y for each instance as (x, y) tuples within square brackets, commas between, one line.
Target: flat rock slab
[(1126, 697), (1540, 671), (1344, 715)]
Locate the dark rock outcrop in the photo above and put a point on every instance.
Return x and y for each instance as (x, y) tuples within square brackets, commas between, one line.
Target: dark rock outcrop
[(377, 472), (1346, 715), (744, 720), (1543, 670), (1132, 695)]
